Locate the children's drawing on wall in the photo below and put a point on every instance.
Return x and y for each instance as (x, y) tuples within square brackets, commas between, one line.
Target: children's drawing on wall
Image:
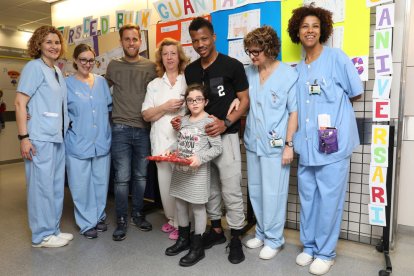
[(242, 23)]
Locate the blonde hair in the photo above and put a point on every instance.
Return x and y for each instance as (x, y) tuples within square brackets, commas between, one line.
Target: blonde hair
[(183, 59)]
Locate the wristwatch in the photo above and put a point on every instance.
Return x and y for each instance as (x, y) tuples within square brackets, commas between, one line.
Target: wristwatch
[(21, 137), (227, 123), (289, 144)]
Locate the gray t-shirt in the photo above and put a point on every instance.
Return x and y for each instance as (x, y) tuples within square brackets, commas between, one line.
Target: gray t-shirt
[(129, 81)]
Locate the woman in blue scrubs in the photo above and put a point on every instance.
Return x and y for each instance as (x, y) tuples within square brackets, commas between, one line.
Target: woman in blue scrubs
[(88, 142), (328, 82), (271, 122), (42, 94)]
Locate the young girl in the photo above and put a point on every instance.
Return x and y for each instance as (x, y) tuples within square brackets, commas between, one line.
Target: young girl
[(190, 184)]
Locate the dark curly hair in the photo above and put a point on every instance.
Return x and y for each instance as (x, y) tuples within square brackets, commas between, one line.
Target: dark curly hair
[(299, 15), (266, 38), (33, 46)]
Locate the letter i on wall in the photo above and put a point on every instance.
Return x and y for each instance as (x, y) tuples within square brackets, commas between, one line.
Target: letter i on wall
[(377, 215)]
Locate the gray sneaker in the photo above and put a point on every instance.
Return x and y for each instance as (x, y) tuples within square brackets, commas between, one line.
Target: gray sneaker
[(141, 223)]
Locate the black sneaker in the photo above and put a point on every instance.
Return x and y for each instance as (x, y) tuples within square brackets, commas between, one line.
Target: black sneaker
[(101, 226), (236, 254), (141, 223), (121, 229), (91, 233), (212, 238)]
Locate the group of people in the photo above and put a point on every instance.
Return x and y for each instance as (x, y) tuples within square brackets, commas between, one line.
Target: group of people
[(193, 111)]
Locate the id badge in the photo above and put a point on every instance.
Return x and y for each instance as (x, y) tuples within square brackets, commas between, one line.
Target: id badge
[(275, 143), (314, 89)]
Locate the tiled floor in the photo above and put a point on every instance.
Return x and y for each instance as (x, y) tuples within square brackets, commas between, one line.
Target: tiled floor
[(144, 252)]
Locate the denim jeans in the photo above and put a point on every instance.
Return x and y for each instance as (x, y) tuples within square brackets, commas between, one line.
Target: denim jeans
[(130, 147)]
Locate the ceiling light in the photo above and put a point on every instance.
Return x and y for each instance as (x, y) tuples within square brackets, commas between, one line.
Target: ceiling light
[(50, 1)]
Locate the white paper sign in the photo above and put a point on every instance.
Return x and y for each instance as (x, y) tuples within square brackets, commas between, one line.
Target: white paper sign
[(382, 87), (385, 17), (236, 50), (242, 23)]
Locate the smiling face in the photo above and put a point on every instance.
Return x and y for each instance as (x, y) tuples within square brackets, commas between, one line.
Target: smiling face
[(50, 47), (85, 62), (203, 42), (310, 31), (195, 102), (170, 58), (130, 43)]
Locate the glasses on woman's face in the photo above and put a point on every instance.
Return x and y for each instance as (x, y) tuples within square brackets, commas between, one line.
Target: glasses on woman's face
[(85, 61), (254, 53), (196, 100)]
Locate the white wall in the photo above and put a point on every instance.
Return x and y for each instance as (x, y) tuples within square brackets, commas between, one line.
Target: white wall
[(68, 13), (406, 191), (9, 149)]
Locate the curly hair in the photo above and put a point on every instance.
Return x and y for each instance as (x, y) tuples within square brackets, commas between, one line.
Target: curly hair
[(299, 15), (38, 37), (266, 38), (79, 50), (183, 59)]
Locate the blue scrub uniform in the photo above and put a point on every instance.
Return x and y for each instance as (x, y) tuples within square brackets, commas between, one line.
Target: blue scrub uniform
[(88, 142), (323, 177), (45, 173), (268, 181)]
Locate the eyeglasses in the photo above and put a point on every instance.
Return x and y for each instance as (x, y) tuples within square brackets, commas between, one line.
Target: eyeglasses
[(255, 53), (196, 100), (84, 61)]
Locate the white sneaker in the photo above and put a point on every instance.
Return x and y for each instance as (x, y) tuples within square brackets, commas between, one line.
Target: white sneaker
[(304, 259), (51, 241), (320, 267), (268, 253), (65, 236), (254, 243)]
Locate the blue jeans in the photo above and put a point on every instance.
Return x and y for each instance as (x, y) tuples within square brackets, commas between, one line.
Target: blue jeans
[(130, 147)]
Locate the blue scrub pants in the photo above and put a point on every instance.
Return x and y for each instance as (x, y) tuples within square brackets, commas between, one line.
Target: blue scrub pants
[(268, 183), (322, 192), (45, 178), (88, 183)]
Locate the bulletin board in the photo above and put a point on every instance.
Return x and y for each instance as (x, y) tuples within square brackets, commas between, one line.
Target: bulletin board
[(178, 30), (270, 14), (356, 27)]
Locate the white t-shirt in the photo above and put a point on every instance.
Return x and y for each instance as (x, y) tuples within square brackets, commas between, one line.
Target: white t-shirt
[(159, 91)]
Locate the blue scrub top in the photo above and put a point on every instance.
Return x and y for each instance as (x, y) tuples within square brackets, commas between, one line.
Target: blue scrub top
[(47, 105), (339, 81), (90, 131), (270, 105)]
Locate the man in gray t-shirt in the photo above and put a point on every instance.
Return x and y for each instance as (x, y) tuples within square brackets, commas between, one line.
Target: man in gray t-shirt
[(129, 77)]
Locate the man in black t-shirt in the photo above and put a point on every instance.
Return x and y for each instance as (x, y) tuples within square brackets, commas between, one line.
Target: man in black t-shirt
[(225, 79)]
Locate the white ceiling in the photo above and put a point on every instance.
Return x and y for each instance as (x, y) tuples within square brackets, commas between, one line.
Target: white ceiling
[(24, 14)]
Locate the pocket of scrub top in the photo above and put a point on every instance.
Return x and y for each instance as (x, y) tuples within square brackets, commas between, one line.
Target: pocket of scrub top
[(328, 93), (50, 123), (277, 98)]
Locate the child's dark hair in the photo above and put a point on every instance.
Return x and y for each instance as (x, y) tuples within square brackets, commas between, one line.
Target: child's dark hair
[(193, 87), (196, 86)]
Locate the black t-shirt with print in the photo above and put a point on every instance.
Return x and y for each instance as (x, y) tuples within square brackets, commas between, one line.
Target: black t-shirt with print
[(223, 79)]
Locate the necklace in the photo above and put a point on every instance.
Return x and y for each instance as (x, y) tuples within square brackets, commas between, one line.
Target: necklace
[(54, 69)]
